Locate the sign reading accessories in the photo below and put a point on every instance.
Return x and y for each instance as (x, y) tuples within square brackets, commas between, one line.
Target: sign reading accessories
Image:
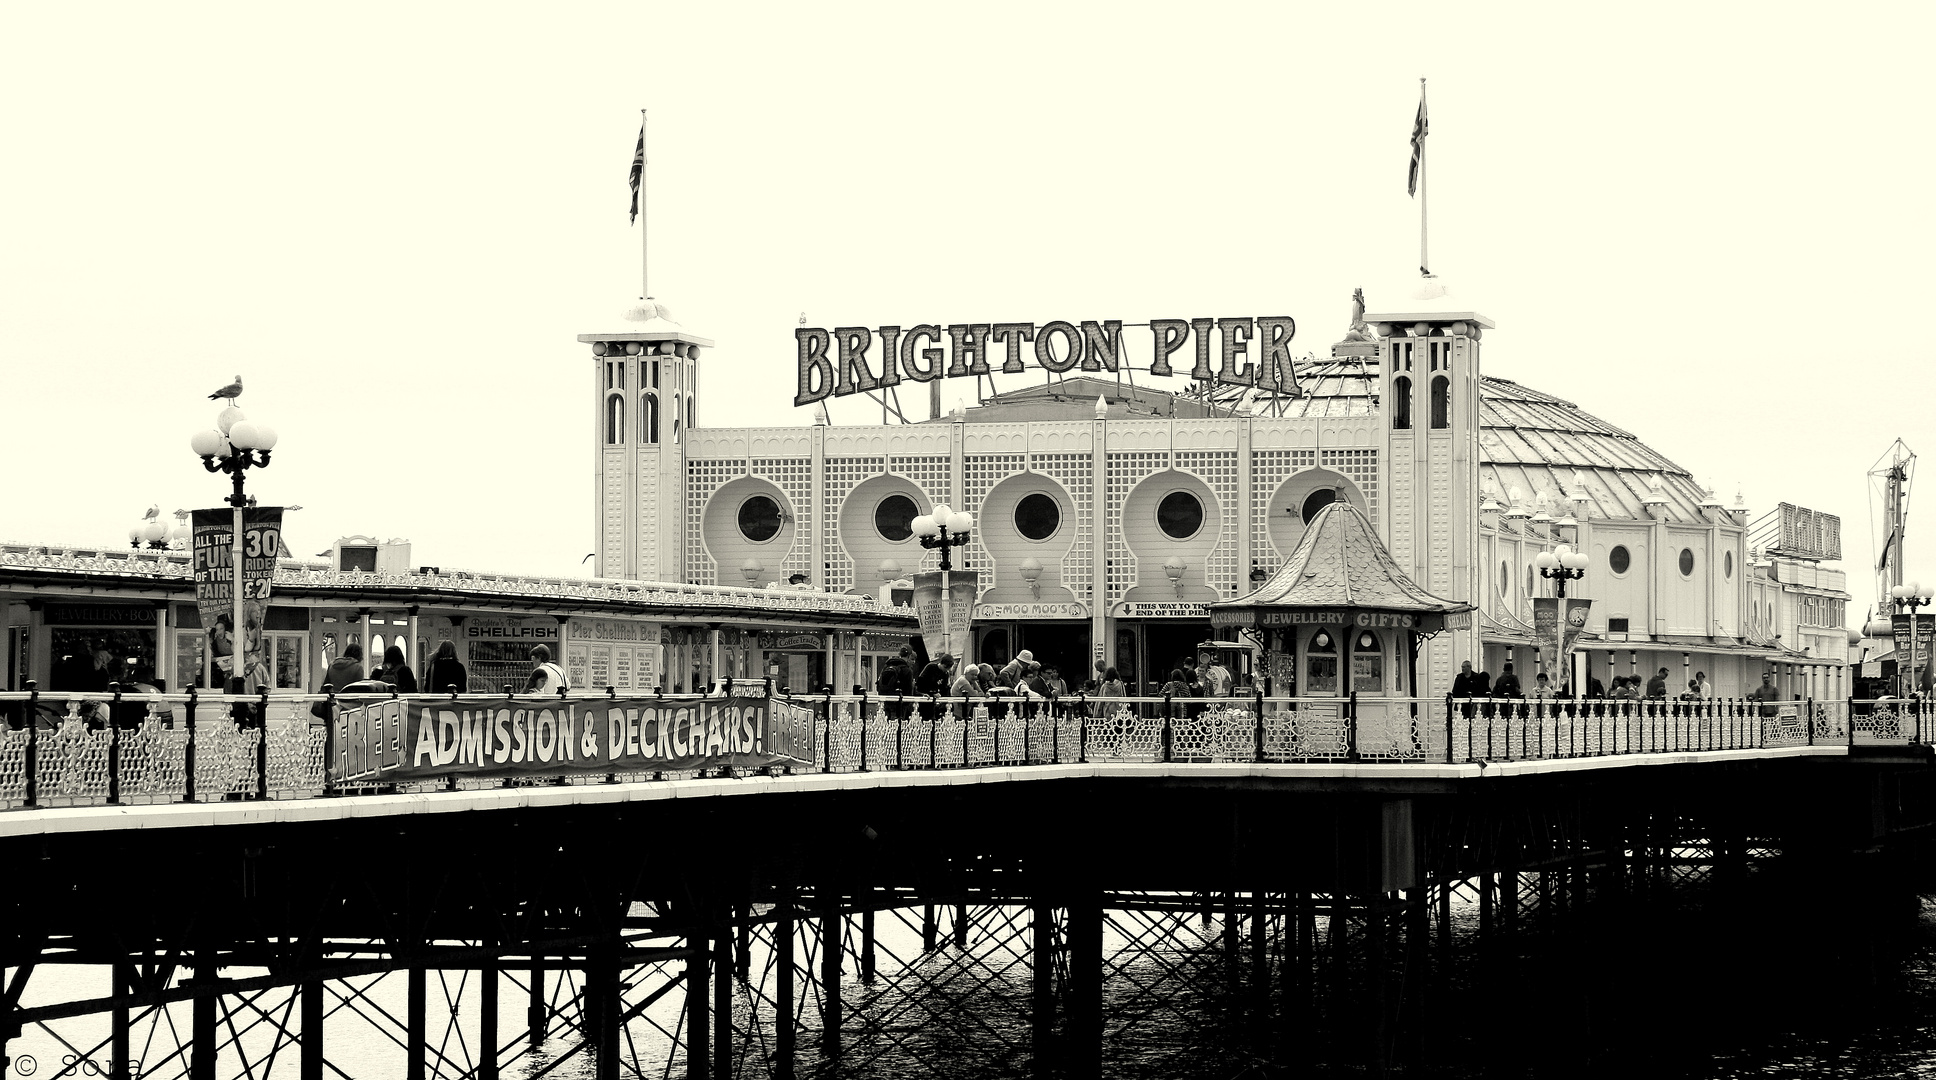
[(836, 363)]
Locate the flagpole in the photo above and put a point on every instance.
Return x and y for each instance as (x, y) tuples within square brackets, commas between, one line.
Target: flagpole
[(645, 266), (1424, 263), (645, 248)]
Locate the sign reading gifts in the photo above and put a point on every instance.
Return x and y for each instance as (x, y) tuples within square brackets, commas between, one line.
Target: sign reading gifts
[(397, 739), (838, 363)]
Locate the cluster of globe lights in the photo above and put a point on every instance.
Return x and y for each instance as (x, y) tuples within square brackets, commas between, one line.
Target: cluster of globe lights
[(1909, 594), (1563, 557), (944, 519), (233, 432)]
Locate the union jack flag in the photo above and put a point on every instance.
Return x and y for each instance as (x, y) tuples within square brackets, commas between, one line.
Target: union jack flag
[(1419, 128), (638, 171)]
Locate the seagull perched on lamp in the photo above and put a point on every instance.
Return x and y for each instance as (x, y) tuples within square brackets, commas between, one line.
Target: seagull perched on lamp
[(231, 391)]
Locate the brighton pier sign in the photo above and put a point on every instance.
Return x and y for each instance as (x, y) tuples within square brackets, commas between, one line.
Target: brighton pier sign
[(836, 362)]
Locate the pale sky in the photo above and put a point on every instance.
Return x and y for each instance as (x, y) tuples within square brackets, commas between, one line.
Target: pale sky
[(1707, 224)]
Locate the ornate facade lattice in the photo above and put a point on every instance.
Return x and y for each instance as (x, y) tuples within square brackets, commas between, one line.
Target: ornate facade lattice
[(842, 476), (794, 476), (1361, 468), (1125, 471), (703, 477), (1218, 468), (1268, 470), (1074, 473), (983, 472)]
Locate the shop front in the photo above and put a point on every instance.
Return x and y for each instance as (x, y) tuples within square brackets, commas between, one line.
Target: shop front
[(1057, 635), (1156, 637), (1339, 619)]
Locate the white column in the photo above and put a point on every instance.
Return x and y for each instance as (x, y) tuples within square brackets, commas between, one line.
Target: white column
[(717, 677)]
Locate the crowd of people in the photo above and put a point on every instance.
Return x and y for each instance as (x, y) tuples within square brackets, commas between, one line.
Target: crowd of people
[(1470, 684), (1024, 679)]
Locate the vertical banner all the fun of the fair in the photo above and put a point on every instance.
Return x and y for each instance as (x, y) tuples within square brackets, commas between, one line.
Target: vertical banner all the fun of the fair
[(215, 584)]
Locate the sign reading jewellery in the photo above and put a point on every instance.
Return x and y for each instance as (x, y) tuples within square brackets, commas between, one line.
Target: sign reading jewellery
[(837, 362), (1424, 621), (394, 738)]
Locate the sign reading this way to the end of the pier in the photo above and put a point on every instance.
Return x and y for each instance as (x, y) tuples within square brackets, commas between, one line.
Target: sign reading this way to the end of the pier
[(837, 362)]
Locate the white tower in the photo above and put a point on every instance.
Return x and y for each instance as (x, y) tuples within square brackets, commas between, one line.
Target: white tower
[(1429, 383), (645, 381)]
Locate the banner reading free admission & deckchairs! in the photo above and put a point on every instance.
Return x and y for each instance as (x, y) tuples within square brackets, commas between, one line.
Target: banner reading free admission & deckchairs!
[(394, 739)]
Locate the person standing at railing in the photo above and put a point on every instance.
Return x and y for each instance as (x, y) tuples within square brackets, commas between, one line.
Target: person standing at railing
[(1543, 688), (1212, 676), (396, 671), (345, 669), (933, 681), (1470, 684), (1702, 688), (968, 683), (1657, 686), (897, 680), (1766, 695), (546, 677), (1111, 686), (446, 672)]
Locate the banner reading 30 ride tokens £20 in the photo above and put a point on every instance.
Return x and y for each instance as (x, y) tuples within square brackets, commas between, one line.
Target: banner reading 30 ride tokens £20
[(395, 739)]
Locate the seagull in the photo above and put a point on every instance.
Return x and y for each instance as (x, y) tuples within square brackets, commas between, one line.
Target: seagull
[(153, 513), (231, 391)]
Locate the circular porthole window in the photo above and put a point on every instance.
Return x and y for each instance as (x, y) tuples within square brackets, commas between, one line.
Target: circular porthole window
[(1316, 501), (759, 519), (1180, 515), (1619, 559), (1037, 517), (1687, 562), (894, 518), (1727, 564)]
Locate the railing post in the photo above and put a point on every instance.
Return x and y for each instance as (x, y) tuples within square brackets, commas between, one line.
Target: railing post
[(1257, 696), (863, 727), (1166, 728), (1848, 720), (114, 747), (329, 739), (900, 725), (1808, 718), (826, 736), (1082, 730), (1448, 729), (262, 745), (33, 743), (1351, 728), (190, 749), (967, 722)]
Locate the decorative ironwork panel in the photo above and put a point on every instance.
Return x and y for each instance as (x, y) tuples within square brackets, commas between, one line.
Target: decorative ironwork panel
[(948, 727), (72, 762), (1305, 731), (13, 765), (843, 741), (153, 761), (225, 759), (296, 751)]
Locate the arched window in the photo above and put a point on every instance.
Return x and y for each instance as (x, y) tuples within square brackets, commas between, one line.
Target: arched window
[(649, 418), (1401, 406), (689, 411), (1441, 400), (1321, 663), (1367, 662), (614, 420)]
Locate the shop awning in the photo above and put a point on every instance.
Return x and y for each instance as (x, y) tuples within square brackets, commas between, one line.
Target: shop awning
[(1341, 574)]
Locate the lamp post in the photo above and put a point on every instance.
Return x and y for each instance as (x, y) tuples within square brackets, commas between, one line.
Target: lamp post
[(235, 445), (1031, 571), (1908, 597), (944, 529), (1561, 565), (1173, 568)]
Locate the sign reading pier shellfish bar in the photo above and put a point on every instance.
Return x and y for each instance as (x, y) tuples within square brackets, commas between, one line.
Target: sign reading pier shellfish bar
[(838, 363), (396, 739)]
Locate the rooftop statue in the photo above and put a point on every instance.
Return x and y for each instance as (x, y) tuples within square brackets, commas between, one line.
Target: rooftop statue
[(1360, 331)]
